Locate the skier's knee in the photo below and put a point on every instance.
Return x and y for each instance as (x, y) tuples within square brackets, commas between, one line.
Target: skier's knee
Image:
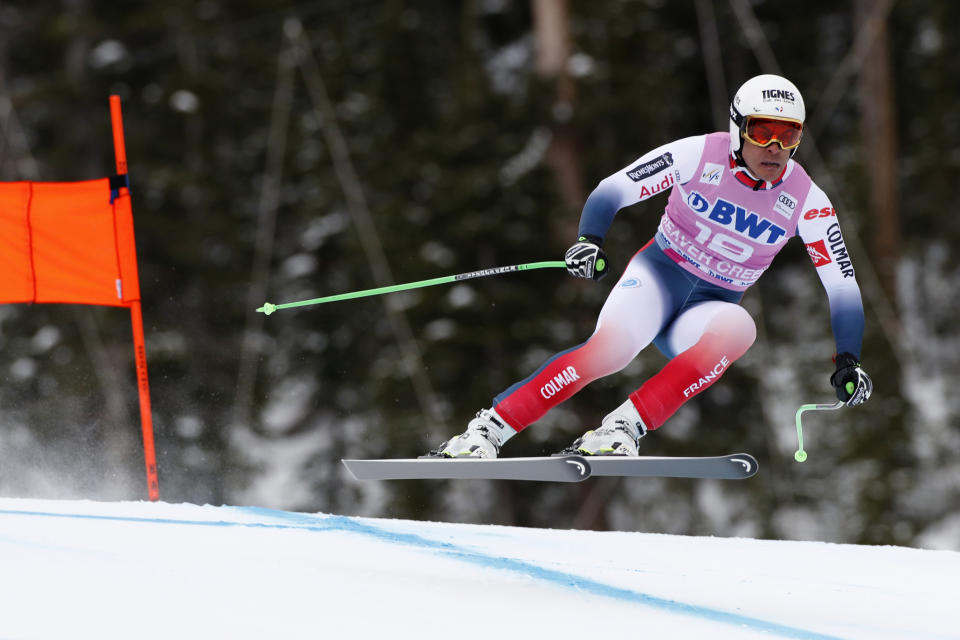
[(612, 348), (737, 327)]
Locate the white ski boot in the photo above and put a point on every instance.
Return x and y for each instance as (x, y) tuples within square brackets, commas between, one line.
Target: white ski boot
[(483, 438), (617, 435)]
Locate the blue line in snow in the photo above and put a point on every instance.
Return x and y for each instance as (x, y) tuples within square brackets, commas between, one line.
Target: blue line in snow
[(343, 523), (561, 578)]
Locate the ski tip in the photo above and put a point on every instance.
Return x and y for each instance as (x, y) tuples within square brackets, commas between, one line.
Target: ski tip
[(747, 462), (346, 463)]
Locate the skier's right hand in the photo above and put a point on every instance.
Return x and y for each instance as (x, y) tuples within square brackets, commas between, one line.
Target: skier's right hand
[(586, 258)]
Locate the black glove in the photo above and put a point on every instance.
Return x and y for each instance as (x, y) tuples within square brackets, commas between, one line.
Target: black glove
[(852, 383), (586, 258)]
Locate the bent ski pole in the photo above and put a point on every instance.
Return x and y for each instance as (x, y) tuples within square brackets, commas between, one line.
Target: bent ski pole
[(801, 455), (269, 308)]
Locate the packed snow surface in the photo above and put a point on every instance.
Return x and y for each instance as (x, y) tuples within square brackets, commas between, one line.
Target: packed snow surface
[(154, 570)]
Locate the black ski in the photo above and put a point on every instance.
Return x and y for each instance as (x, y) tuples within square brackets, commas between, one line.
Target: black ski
[(563, 468)]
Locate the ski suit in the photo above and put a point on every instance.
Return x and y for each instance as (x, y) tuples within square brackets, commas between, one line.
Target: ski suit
[(720, 230)]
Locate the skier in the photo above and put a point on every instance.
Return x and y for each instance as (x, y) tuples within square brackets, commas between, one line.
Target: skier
[(735, 199)]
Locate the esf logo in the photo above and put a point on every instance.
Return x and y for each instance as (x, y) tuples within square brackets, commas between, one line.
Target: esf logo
[(735, 218), (826, 212)]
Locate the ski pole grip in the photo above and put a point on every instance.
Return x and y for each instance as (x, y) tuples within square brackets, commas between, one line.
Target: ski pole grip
[(800, 454)]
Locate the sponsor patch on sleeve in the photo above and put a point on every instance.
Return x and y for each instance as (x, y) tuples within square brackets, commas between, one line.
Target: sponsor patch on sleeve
[(818, 253), (646, 169)]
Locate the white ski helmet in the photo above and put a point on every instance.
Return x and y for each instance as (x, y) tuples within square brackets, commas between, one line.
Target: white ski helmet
[(767, 95)]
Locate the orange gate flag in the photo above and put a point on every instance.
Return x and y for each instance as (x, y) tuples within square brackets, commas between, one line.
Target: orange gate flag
[(73, 242), (67, 242)]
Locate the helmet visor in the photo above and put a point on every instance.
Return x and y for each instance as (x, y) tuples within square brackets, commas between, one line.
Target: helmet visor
[(764, 130)]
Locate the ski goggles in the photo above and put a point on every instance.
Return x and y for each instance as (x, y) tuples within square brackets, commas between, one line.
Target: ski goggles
[(765, 130)]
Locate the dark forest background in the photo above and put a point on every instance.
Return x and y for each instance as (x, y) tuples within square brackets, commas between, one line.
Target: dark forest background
[(283, 151)]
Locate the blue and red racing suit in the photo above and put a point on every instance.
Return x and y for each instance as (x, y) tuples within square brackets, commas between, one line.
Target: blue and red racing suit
[(720, 230)]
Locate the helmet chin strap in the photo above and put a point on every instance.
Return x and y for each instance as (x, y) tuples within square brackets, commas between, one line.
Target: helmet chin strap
[(737, 118), (744, 175), (758, 183), (746, 170), (738, 158)]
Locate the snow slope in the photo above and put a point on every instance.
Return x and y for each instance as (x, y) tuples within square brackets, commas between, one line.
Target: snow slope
[(140, 570)]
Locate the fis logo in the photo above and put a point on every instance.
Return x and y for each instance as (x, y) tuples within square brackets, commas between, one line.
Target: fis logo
[(711, 173)]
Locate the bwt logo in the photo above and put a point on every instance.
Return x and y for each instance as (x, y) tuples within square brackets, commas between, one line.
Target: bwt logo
[(697, 202), (778, 94), (747, 223)]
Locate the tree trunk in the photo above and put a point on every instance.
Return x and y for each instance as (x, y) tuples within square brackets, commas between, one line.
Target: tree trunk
[(879, 133), (551, 22), (551, 19)]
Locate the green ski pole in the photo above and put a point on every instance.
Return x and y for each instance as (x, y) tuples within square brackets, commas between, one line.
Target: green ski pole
[(269, 308), (801, 455)]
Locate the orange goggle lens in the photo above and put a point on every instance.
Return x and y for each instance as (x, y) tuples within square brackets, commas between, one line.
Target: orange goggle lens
[(764, 131)]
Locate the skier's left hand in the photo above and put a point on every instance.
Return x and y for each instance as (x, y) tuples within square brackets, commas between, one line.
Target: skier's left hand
[(851, 382)]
